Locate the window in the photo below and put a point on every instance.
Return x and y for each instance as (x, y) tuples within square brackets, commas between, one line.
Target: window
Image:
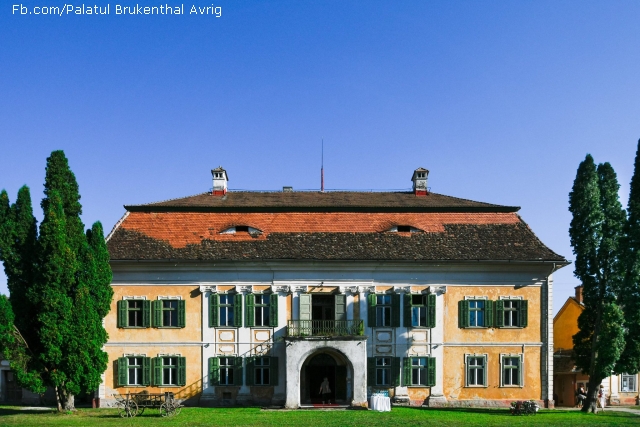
[(420, 310), (225, 310), (383, 371), (476, 367), (169, 313), (475, 313), (134, 313), (262, 370), (511, 370), (419, 371), (134, 371), (262, 310), (628, 383), (511, 313), (384, 310), (225, 371), (169, 370)]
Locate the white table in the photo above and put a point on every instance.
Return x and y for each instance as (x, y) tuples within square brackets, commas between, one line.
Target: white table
[(380, 403)]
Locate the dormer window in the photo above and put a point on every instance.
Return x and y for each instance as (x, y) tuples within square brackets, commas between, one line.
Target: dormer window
[(241, 229), (404, 229)]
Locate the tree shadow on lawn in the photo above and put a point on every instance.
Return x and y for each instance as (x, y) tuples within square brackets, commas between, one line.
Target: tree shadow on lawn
[(505, 412), (16, 410)]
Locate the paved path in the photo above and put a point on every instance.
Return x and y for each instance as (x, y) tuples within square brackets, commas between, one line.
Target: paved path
[(608, 408)]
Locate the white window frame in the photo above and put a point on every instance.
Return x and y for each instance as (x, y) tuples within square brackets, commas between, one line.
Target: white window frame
[(485, 378), (484, 311), (520, 374), (634, 377)]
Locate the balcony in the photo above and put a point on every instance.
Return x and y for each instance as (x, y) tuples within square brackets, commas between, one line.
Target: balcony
[(325, 328)]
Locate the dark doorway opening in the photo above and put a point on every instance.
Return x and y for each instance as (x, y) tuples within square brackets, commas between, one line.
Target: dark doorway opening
[(321, 366), (12, 391), (322, 307)]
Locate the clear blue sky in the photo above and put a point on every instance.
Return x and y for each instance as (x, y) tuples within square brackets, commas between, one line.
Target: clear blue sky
[(499, 100)]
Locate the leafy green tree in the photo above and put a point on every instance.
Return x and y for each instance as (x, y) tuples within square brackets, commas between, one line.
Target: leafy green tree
[(595, 232), (60, 286), (630, 294)]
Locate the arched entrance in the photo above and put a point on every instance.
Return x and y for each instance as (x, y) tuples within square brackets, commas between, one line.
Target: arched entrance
[(332, 365)]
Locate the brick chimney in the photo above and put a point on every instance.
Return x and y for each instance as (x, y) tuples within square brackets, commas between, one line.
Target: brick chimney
[(220, 179), (419, 179), (579, 293)]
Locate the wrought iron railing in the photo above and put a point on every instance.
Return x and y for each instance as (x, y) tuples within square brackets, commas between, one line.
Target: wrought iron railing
[(324, 328)]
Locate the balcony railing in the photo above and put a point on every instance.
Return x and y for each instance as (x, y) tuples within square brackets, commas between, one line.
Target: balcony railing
[(324, 328)]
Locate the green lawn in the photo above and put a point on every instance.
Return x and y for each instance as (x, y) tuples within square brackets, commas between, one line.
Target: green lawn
[(227, 417)]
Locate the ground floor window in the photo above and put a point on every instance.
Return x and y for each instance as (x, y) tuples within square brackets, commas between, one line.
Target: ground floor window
[(419, 371), (476, 368), (169, 371), (262, 371), (134, 370), (628, 383), (225, 371), (511, 366)]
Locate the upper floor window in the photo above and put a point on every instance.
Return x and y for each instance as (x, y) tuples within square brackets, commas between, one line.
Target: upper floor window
[(261, 310), (475, 313), (169, 313), (420, 310), (225, 310), (134, 313), (511, 313), (384, 310)]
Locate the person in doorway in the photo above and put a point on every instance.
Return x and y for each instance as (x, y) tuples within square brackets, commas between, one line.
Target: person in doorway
[(601, 397), (325, 391), (581, 395)]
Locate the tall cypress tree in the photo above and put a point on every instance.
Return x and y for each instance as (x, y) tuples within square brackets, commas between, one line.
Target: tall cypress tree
[(595, 233), (60, 285), (630, 295)]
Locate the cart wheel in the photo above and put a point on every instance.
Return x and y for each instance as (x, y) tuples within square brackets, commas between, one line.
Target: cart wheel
[(140, 410), (129, 409), (164, 410), (178, 409)]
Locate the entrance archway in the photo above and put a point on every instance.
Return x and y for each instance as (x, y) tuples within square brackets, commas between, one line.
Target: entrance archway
[(332, 365)]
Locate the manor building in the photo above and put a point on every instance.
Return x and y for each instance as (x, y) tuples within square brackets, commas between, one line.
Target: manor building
[(253, 298)]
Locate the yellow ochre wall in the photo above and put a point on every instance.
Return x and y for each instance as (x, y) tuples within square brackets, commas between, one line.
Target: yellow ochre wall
[(511, 340), (565, 325)]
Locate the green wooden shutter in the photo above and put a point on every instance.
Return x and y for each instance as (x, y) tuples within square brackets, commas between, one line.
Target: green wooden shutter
[(122, 314), (156, 307), (371, 371), (146, 371), (484, 371), (214, 305), (499, 313), (406, 371), (157, 371), (273, 371), (123, 370), (214, 371), (146, 313), (340, 307), (182, 313), (371, 315), (395, 371), (431, 311), (463, 313), (237, 311), (395, 311), (523, 313), (250, 318), (305, 306), (407, 311), (431, 371), (251, 370), (182, 371), (237, 371), (273, 310), (488, 313)]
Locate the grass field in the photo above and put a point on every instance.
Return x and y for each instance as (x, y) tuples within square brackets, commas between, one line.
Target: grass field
[(16, 416)]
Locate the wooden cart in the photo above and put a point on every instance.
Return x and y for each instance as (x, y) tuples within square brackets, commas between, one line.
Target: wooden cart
[(130, 405)]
